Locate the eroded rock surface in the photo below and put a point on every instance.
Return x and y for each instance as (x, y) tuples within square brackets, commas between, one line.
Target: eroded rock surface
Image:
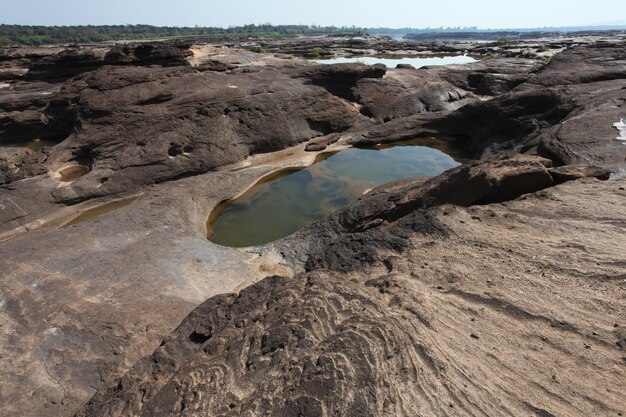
[(498, 313), (565, 115), (487, 290)]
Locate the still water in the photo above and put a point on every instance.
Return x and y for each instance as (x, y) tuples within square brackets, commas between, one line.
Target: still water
[(283, 204), (391, 63)]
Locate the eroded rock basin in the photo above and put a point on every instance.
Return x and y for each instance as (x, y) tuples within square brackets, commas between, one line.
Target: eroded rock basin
[(283, 203)]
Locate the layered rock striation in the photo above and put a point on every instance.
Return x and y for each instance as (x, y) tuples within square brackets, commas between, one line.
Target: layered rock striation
[(487, 290)]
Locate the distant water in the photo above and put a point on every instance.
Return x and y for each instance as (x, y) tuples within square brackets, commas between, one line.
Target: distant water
[(282, 205), (391, 63)]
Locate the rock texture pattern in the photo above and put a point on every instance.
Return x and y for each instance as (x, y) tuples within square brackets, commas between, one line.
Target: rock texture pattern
[(499, 313), (496, 288), (563, 111)]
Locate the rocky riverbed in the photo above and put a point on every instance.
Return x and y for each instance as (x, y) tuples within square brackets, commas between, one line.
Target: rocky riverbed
[(495, 288)]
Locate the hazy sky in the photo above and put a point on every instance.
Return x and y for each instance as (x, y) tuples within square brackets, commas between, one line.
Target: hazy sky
[(367, 13)]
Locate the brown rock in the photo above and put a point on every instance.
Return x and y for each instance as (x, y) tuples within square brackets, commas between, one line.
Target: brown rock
[(315, 343), (574, 172)]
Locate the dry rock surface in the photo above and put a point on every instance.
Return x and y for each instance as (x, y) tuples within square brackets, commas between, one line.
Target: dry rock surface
[(496, 288)]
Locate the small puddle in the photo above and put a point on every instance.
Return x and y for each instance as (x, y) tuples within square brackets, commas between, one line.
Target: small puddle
[(283, 203), (71, 172), (100, 211), (393, 62)]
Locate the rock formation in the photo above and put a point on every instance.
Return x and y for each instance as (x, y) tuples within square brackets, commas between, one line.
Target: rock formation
[(487, 290), (491, 310)]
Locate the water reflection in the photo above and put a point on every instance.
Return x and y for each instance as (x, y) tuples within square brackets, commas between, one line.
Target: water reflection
[(392, 62), (281, 205)]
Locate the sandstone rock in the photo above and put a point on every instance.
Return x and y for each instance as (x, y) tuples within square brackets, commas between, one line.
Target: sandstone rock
[(337, 241), (66, 63), (102, 293), (315, 343), (491, 77), (12, 74), (574, 172), (160, 53), (150, 124), (479, 183), (341, 79), (548, 115), (390, 289), (404, 93), (10, 159), (592, 63), (322, 143)]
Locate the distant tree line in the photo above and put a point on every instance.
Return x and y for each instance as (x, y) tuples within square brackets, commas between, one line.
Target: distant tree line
[(474, 29), (402, 31), (47, 35)]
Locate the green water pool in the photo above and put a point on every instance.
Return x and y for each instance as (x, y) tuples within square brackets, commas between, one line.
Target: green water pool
[(285, 203)]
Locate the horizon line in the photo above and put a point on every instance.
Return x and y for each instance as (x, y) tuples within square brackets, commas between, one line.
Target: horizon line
[(438, 28)]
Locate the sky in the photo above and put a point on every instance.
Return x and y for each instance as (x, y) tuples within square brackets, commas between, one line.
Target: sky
[(362, 13)]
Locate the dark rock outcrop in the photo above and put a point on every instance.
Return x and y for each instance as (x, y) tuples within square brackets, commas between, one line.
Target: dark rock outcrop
[(592, 63), (137, 124), (507, 120), (341, 79), (160, 53), (490, 77), (565, 116), (340, 241), (148, 125), (66, 64), (77, 60), (574, 172), (406, 92)]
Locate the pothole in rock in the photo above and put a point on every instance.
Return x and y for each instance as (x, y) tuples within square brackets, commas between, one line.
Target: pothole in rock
[(285, 202), (70, 172)]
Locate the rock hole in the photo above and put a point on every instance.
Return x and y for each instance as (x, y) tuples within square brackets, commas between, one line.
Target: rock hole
[(85, 156), (388, 264), (367, 112), (143, 51), (322, 126), (72, 172), (174, 149), (198, 338)]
